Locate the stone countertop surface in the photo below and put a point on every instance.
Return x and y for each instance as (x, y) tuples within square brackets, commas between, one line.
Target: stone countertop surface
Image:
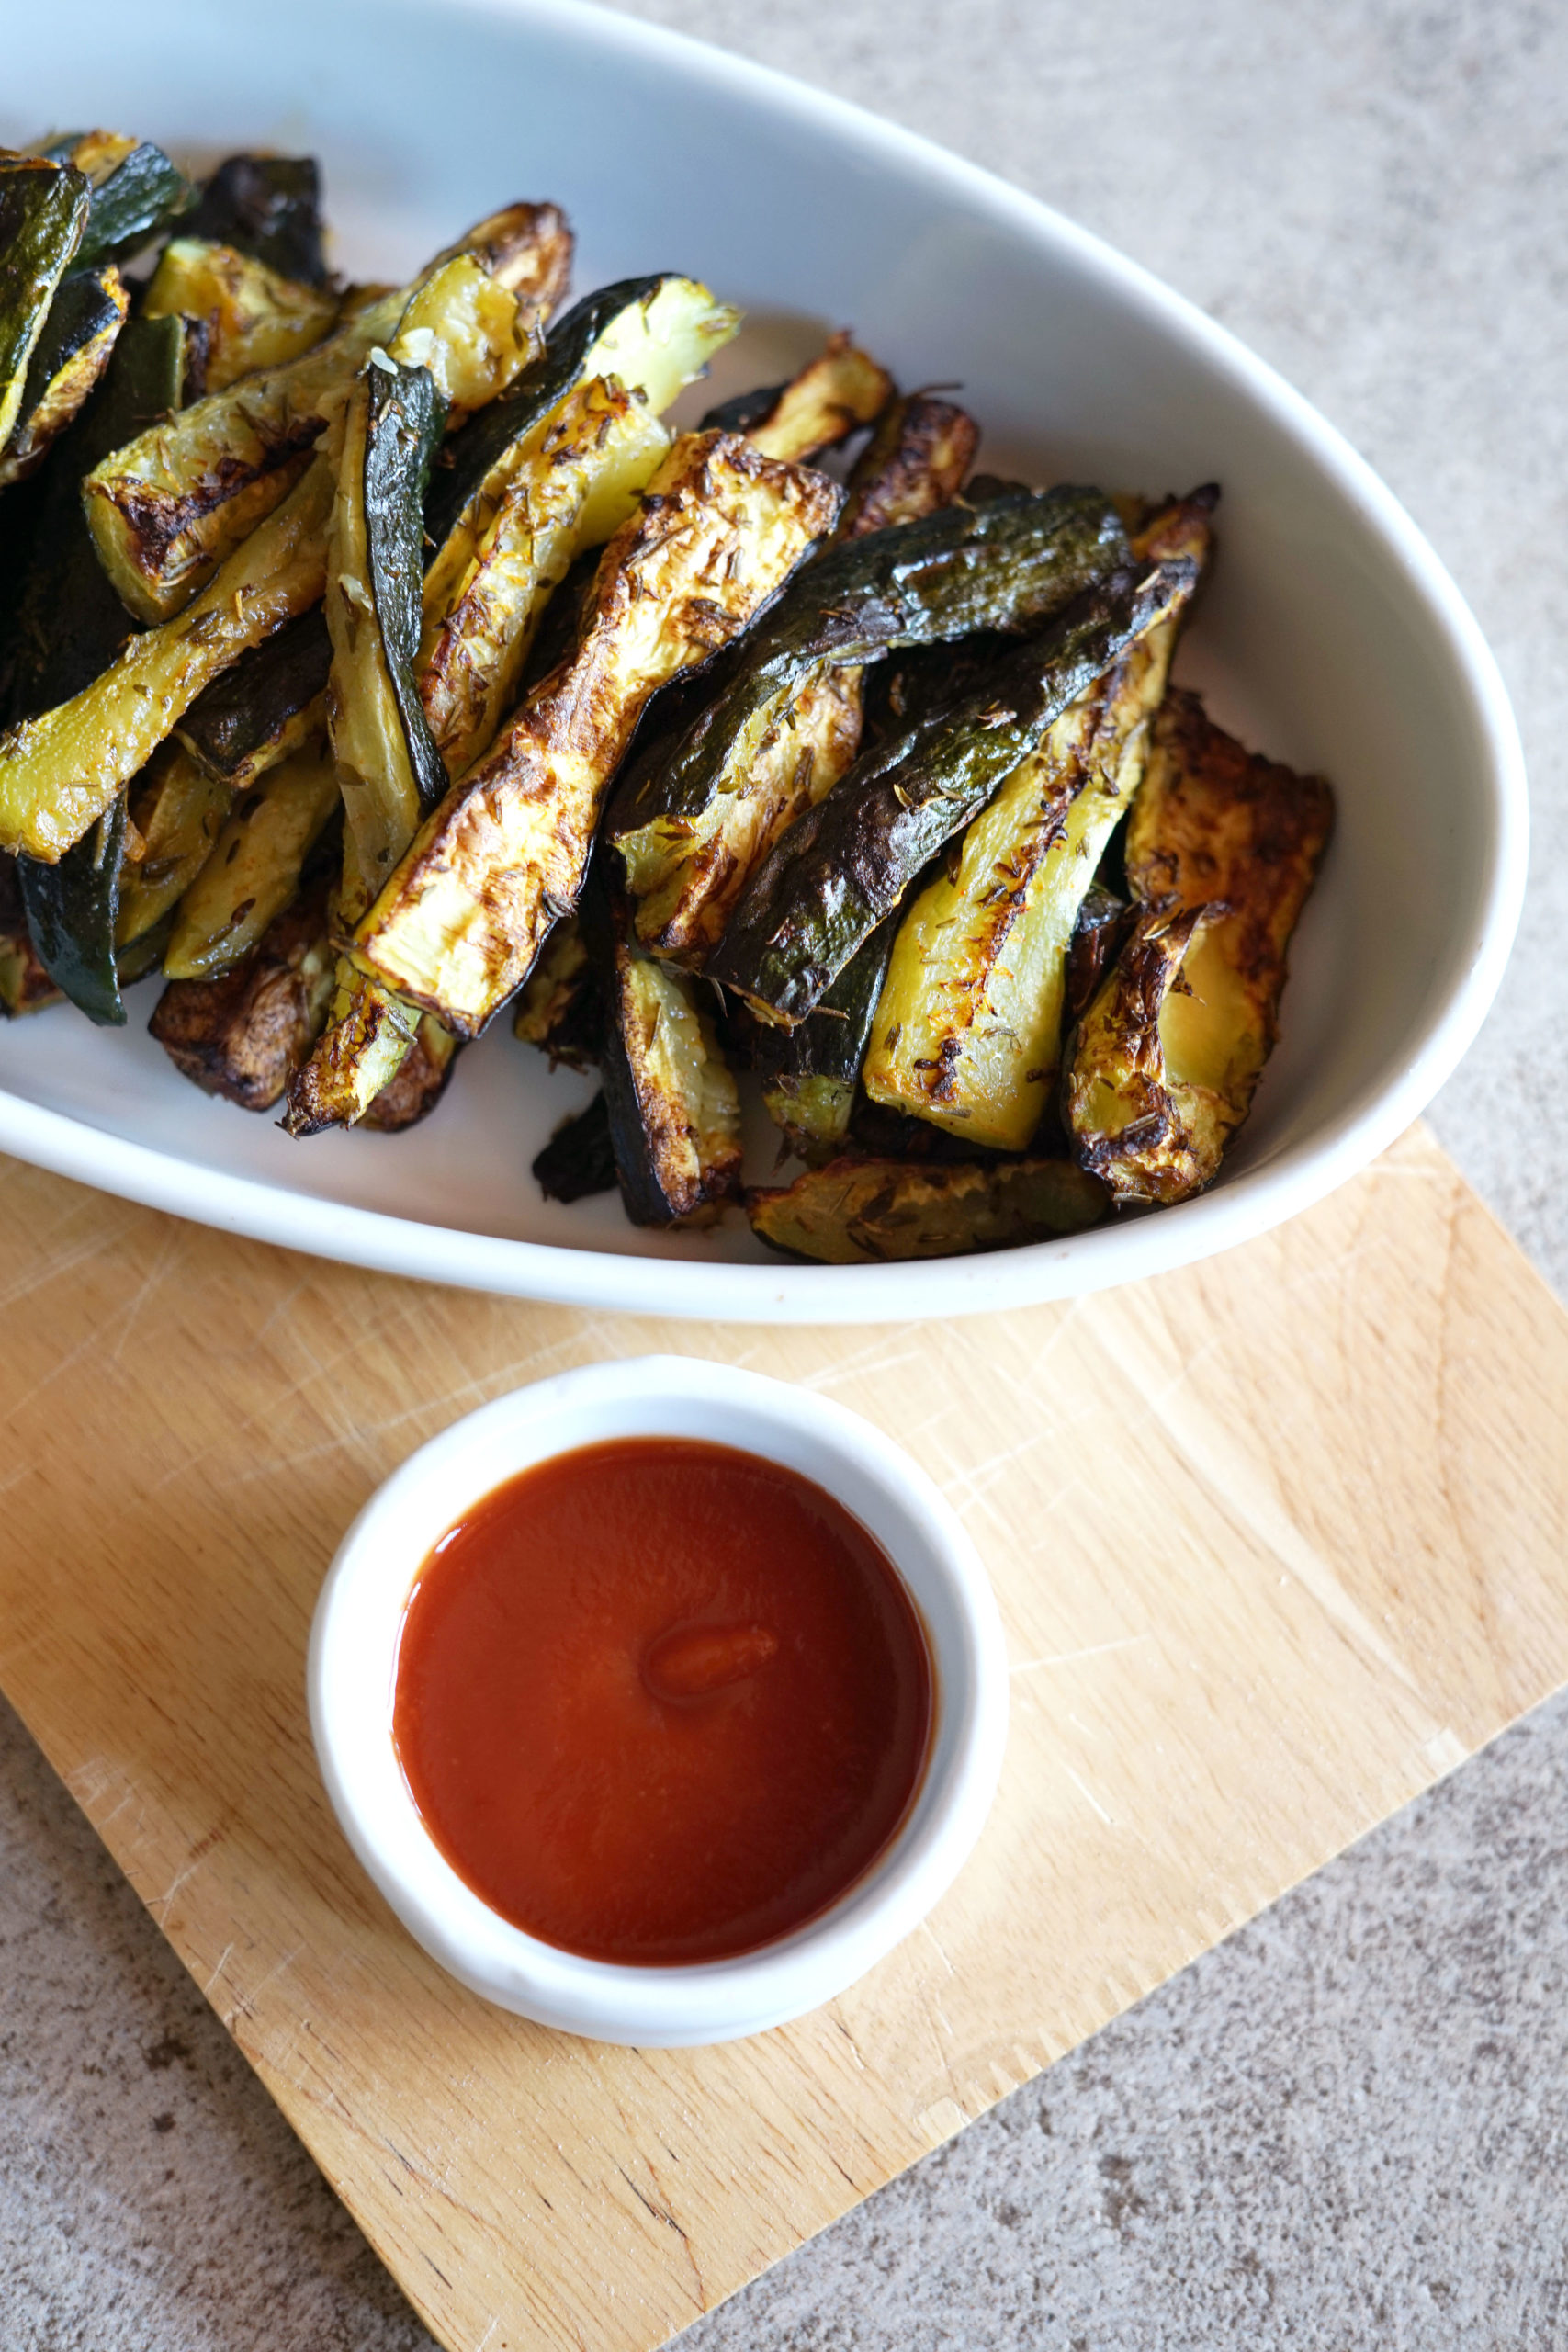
[(1347, 2127)]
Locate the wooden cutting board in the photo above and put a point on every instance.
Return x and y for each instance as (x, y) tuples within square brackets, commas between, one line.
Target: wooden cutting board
[(1277, 1540)]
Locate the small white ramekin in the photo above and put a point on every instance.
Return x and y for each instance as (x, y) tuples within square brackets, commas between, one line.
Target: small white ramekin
[(352, 1662)]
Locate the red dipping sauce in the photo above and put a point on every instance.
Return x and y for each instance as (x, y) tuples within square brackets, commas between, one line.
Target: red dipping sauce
[(660, 1701)]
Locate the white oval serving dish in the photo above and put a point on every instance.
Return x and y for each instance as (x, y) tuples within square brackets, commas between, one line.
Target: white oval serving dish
[(1331, 637), (353, 1664)]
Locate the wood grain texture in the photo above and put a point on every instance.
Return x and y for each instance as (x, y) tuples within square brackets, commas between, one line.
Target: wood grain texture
[(1277, 1539)]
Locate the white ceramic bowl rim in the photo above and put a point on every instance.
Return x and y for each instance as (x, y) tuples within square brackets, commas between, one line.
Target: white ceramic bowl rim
[(352, 1663), (1248, 1205)]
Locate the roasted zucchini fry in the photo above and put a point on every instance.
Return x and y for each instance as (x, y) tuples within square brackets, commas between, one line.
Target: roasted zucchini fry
[(270, 205), (845, 867), (69, 356), (369, 1031), (916, 461), (840, 390), (254, 870), (72, 625), (697, 817), (579, 1159), (387, 765), (688, 875), (43, 210), (134, 192), (809, 1073), (60, 772), (387, 762), (968, 1034), (561, 1006), (598, 449), (252, 317), (1222, 849), (269, 704), (177, 811), (461, 921), (241, 1036), (864, 1212), (674, 1113), (166, 510)]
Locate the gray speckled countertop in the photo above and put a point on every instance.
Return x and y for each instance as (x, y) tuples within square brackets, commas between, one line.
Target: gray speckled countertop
[(1347, 2127)]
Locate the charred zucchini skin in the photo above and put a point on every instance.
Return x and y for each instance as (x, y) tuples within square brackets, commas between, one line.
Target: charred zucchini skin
[(270, 205), (265, 706), (870, 1212), (69, 356), (840, 869), (43, 211), (1004, 563), (579, 1159), (133, 202)]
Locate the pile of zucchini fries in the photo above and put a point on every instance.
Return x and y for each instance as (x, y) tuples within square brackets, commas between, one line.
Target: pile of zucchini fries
[(372, 658)]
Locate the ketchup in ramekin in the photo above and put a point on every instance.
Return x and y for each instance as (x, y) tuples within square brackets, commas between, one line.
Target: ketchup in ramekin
[(660, 1701)]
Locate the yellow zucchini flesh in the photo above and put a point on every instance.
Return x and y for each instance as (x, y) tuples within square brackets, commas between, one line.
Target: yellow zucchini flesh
[(60, 772), (577, 481), (1222, 850), (872, 1211), (168, 509), (460, 923), (254, 868), (254, 317)]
